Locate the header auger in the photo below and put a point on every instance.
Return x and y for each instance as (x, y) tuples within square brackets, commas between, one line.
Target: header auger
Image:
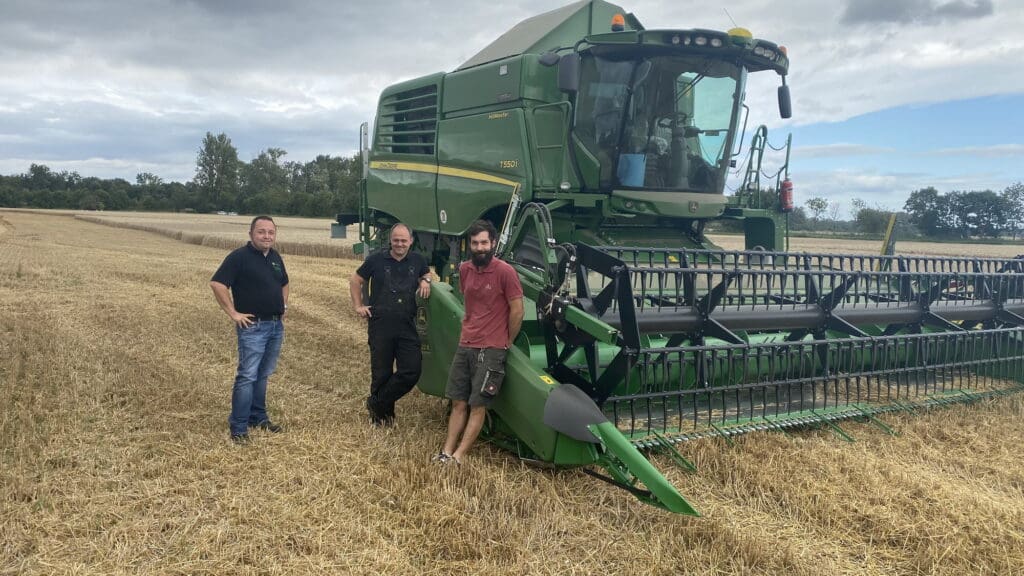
[(601, 151)]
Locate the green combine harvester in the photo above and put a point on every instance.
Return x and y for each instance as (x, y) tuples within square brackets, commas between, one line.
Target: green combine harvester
[(600, 150)]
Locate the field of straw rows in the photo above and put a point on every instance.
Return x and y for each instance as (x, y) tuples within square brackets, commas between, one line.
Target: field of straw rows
[(115, 370)]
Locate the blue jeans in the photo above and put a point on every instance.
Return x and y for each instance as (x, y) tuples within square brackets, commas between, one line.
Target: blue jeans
[(258, 348)]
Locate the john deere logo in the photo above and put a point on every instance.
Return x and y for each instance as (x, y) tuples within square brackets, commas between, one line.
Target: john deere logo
[(693, 206)]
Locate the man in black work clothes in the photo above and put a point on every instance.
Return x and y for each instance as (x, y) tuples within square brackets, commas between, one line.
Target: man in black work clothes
[(396, 276), (257, 302)]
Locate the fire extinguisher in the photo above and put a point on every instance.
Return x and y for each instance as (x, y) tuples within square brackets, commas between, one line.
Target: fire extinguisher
[(786, 196)]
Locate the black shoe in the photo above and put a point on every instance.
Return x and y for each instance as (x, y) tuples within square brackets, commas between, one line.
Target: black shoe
[(240, 439), (377, 419), (381, 421), (270, 426)]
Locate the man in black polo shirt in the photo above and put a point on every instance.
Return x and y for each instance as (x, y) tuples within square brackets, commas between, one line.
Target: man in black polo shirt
[(256, 303), (396, 276)]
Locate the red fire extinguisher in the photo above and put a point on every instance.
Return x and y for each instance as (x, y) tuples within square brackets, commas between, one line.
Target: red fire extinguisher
[(786, 196)]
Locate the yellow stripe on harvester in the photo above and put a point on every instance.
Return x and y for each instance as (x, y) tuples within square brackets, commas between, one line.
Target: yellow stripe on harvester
[(441, 170), (407, 166), (459, 173)]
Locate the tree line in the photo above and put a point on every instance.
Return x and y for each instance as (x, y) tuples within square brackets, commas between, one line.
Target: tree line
[(927, 213), (268, 184), (326, 185)]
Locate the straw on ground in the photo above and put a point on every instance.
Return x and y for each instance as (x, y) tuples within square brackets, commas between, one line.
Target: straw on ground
[(115, 368)]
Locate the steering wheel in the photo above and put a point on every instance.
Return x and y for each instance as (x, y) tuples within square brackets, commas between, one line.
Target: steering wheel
[(666, 120)]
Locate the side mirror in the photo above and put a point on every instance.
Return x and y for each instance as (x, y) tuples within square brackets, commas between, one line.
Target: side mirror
[(785, 105), (569, 73), (548, 59)]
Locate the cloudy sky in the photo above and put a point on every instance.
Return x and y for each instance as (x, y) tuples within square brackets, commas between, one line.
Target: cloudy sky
[(888, 95)]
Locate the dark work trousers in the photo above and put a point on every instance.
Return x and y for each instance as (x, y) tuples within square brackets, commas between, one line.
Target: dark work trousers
[(395, 362)]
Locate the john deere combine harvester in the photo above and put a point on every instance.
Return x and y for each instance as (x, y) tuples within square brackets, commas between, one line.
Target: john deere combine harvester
[(601, 151)]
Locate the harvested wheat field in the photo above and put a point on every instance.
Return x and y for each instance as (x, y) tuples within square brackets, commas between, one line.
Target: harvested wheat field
[(306, 236), (115, 375)]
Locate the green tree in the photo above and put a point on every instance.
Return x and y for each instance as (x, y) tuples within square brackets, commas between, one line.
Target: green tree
[(217, 169), (868, 220), (182, 197), (960, 214), (40, 177), (332, 180), (817, 206), (872, 220), (265, 183), (929, 211), (981, 213), (148, 179), (1013, 202)]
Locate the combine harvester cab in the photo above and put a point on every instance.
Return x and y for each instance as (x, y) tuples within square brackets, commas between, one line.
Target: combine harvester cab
[(600, 149)]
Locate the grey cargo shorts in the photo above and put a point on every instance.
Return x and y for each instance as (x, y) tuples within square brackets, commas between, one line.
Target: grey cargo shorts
[(476, 375)]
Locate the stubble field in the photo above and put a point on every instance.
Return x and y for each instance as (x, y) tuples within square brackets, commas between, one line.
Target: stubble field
[(115, 376)]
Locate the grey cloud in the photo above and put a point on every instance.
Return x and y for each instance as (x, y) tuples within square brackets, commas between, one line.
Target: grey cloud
[(143, 81), (80, 131), (965, 9), (220, 37), (139, 79), (926, 12), (212, 47)]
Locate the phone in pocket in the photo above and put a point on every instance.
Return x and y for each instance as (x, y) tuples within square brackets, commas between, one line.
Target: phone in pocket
[(492, 383)]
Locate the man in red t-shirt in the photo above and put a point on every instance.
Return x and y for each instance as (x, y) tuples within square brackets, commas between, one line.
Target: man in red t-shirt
[(493, 299)]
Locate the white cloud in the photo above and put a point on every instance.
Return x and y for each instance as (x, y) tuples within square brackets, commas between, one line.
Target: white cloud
[(886, 189), (839, 149), (125, 168), (994, 151), (12, 138)]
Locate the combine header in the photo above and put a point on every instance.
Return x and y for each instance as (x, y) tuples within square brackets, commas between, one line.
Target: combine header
[(601, 150)]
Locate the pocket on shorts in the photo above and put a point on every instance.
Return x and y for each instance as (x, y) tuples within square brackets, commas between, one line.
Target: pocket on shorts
[(492, 382), (492, 362)]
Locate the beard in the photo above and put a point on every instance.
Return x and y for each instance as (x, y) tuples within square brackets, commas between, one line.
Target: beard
[(482, 259)]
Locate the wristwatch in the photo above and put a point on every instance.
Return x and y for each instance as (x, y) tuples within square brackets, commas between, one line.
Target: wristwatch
[(427, 280)]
